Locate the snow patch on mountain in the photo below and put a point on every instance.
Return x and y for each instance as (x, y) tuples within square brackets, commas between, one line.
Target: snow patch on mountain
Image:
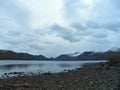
[(75, 54)]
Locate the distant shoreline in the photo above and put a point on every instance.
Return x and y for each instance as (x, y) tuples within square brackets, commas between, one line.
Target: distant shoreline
[(52, 60), (87, 55)]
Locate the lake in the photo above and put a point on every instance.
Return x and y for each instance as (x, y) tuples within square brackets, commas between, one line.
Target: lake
[(8, 66)]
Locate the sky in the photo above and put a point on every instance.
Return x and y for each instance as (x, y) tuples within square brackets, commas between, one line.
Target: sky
[(54, 27)]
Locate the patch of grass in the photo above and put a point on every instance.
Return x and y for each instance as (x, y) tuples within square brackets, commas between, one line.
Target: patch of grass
[(114, 60)]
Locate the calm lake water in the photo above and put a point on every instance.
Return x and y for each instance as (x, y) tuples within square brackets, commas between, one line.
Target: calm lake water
[(8, 66)]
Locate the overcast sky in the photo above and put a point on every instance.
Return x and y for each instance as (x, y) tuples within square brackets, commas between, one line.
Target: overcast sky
[(53, 27)]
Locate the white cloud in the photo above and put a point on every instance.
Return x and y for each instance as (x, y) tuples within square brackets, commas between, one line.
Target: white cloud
[(44, 12), (82, 11), (53, 27)]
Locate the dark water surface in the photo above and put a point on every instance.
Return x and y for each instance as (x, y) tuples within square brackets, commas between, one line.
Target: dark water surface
[(8, 66)]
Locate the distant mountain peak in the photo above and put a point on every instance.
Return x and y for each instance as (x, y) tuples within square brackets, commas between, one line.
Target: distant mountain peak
[(11, 55), (115, 49), (88, 53), (75, 54)]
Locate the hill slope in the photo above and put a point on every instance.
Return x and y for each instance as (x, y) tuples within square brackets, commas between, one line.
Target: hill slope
[(11, 55)]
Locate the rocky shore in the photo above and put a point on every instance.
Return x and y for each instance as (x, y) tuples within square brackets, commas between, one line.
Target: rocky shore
[(97, 77)]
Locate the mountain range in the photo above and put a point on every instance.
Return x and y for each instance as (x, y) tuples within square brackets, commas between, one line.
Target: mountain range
[(11, 55), (87, 55)]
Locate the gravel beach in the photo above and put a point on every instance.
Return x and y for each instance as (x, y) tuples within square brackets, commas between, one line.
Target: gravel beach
[(97, 77)]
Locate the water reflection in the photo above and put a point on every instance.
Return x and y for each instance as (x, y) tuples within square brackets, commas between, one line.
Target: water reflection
[(65, 65), (41, 66), (12, 66)]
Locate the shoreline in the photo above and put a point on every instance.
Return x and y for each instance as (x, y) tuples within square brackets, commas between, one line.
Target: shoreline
[(100, 76)]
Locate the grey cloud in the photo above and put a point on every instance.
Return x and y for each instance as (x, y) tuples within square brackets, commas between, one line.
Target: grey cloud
[(65, 33), (14, 10), (102, 41), (93, 25), (90, 29), (102, 20), (94, 17), (100, 35), (78, 26), (33, 46), (112, 26), (21, 42), (85, 26), (81, 33), (69, 10)]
